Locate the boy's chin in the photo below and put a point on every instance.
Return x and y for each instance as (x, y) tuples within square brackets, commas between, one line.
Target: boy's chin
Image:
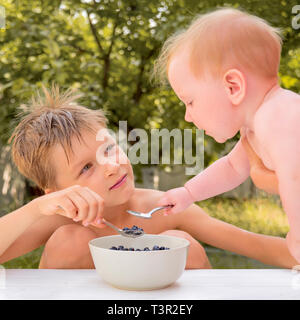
[(121, 198)]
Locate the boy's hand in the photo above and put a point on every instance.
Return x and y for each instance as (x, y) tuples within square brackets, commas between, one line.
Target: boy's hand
[(76, 202), (179, 198)]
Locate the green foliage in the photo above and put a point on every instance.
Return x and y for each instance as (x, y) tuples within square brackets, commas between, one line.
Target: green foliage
[(106, 49)]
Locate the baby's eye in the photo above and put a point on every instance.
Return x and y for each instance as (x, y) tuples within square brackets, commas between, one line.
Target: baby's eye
[(190, 103), (86, 166)]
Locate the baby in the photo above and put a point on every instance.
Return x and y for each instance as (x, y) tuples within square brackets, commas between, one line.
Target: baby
[(224, 68)]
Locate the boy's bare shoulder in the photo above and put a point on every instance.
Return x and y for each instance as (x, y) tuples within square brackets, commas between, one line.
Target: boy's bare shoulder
[(147, 198)]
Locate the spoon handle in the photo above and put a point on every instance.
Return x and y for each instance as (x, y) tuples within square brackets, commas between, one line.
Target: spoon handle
[(111, 225), (159, 208)]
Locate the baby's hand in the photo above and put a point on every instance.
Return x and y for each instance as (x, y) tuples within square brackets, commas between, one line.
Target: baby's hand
[(179, 198), (76, 202)]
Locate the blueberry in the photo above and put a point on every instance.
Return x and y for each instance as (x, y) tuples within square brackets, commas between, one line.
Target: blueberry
[(155, 247), (146, 249), (162, 248), (120, 247), (126, 228), (138, 233), (135, 228), (125, 249), (114, 248), (138, 250), (131, 249)]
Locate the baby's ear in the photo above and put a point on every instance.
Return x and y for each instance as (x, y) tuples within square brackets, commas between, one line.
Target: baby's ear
[(235, 86)]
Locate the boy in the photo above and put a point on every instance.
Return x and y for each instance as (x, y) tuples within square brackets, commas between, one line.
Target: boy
[(225, 69), (55, 145)]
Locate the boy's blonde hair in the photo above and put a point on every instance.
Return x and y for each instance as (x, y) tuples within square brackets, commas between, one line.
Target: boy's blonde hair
[(222, 39), (52, 119)]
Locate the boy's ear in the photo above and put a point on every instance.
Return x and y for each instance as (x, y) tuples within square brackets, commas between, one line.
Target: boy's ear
[(235, 86), (47, 191)]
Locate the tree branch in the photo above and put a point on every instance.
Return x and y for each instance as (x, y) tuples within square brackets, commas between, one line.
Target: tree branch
[(81, 50), (138, 92), (94, 32), (107, 58)]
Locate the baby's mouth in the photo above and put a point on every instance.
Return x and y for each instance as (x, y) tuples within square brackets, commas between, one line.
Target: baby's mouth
[(119, 182)]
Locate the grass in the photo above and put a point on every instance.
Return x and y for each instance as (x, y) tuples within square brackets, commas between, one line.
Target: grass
[(27, 261), (261, 215), (221, 259)]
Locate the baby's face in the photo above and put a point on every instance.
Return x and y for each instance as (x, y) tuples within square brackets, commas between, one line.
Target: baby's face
[(207, 104), (99, 165)]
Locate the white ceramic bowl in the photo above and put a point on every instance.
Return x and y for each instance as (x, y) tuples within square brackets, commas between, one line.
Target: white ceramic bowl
[(139, 270)]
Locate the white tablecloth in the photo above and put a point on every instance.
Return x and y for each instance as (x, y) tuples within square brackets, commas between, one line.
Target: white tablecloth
[(192, 285)]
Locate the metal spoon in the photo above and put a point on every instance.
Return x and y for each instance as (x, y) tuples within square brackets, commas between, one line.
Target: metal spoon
[(122, 232), (147, 215)]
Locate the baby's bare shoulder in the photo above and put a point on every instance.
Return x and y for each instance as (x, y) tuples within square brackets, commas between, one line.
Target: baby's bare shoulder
[(278, 116)]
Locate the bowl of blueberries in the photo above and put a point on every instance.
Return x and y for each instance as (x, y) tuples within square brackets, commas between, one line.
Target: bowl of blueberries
[(147, 262)]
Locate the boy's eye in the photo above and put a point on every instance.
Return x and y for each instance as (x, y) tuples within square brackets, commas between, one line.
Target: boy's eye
[(190, 103), (86, 166), (110, 147)]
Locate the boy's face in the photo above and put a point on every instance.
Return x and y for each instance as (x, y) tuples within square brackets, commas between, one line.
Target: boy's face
[(207, 104), (100, 165)]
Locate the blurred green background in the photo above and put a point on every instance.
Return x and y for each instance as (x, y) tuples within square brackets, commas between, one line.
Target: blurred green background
[(106, 49)]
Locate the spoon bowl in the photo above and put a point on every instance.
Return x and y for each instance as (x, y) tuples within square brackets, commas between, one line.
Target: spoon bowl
[(130, 233)]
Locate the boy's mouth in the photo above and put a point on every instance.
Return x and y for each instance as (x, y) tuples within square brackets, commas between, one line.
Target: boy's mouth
[(119, 182)]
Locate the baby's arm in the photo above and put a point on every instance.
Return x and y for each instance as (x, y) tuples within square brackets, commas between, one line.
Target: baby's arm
[(223, 175), (270, 250)]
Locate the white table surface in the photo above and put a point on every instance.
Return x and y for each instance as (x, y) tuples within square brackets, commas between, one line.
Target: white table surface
[(259, 284)]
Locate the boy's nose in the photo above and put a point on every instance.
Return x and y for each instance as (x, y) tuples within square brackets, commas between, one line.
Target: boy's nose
[(111, 168), (187, 117)]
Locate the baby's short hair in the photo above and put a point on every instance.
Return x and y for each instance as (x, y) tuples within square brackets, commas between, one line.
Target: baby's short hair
[(47, 121), (222, 39)]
